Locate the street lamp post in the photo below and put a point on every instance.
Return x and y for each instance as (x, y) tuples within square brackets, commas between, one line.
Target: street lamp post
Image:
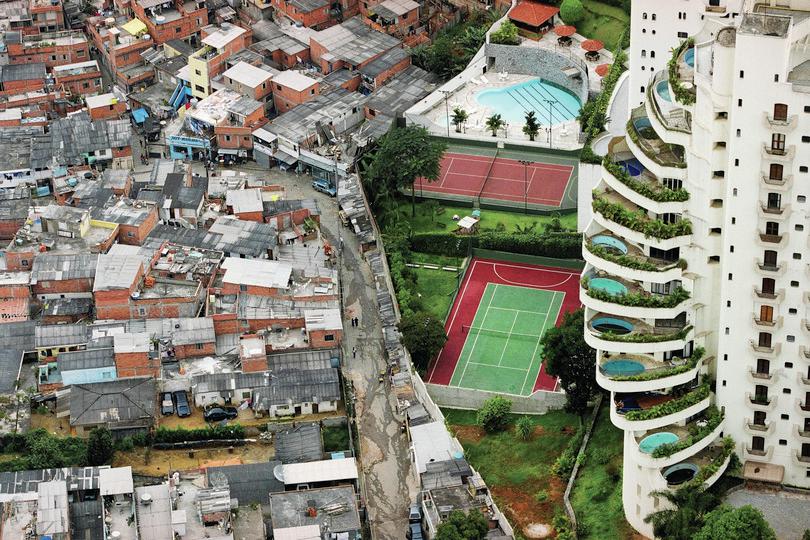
[(446, 94), (550, 103), (526, 164)]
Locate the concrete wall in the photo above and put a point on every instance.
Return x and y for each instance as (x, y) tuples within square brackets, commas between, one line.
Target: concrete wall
[(537, 62), (465, 398)]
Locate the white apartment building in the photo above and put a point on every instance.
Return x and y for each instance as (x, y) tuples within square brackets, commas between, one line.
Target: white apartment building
[(658, 26), (697, 272)]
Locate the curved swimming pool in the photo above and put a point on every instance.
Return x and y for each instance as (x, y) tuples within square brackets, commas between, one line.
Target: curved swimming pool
[(680, 473), (611, 324), (610, 286), (622, 367), (663, 90), (649, 443), (689, 57), (633, 166), (513, 102), (610, 243)]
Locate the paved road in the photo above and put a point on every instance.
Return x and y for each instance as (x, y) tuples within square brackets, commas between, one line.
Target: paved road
[(786, 512), (389, 486)]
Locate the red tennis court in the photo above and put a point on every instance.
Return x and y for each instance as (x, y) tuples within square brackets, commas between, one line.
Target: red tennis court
[(501, 179), (481, 273)]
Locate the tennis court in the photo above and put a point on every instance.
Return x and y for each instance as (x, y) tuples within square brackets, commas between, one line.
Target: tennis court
[(494, 328), (502, 350), (497, 176)]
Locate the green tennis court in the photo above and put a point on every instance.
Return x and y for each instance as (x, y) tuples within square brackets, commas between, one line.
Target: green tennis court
[(502, 350)]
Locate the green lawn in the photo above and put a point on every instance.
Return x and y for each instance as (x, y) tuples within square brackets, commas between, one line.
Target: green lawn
[(436, 288), (603, 22), (597, 493), (427, 221), (518, 472), (335, 438)]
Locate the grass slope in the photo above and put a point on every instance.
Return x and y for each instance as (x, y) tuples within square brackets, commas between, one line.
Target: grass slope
[(436, 288), (603, 22)]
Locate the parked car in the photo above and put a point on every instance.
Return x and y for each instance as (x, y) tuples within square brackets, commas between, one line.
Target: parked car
[(217, 414), (414, 532), (324, 187), (181, 402), (415, 514), (166, 404)]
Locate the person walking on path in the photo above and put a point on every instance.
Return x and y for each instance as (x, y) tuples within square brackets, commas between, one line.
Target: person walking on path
[(354, 352)]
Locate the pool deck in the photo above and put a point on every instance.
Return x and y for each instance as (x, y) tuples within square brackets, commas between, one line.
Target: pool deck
[(575, 52), (464, 97), (648, 362)]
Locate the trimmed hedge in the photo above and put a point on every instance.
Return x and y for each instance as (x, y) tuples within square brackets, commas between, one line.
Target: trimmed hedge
[(639, 221), (558, 245), (638, 299), (692, 361), (657, 192), (713, 419), (670, 407), (211, 433)]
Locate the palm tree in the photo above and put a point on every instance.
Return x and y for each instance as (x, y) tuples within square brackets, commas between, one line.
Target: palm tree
[(686, 517), (531, 128), (459, 117), (494, 123)]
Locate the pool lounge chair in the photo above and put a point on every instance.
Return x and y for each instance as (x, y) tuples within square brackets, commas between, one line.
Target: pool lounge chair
[(484, 79)]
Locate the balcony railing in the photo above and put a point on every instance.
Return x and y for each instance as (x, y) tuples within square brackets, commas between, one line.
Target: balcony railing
[(756, 452), (645, 137), (802, 458), (767, 295), (775, 151), (771, 238), (788, 121), (757, 427), (632, 260), (760, 400), (776, 181), (761, 375), (776, 210), (769, 267), (639, 221)]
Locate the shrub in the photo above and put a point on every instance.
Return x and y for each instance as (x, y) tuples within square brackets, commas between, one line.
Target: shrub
[(558, 245), (179, 435), (572, 11), (654, 192), (713, 419), (629, 261), (565, 462), (507, 34), (670, 407), (646, 338), (707, 471), (601, 456), (494, 414), (679, 92), (541, 496), (524, 428), (638, 299), (639, 221), (652, 375)]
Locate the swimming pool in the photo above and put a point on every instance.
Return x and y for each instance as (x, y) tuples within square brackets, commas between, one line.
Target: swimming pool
[(610, 243), (621, 367), (610, 286), (644, 127), (513, 102), (633, 167), (680, 473), (663, 90), (689, 57), (611, 324), (649, 443)]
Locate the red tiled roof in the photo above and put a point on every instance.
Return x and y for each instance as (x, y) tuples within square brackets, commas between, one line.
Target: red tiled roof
[(532, 13)]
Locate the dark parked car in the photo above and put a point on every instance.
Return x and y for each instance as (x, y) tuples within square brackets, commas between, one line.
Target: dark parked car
[(181, 401), (414, 532), (166, 403), (217, 414)]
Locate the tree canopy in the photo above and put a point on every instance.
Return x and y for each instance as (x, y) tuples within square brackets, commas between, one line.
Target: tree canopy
[(423, 335), (100, 449), (461, 526), (690, 507), (494, 414), (572, 11), (507, 34), (403, 155), (728, 522), (572, 360)]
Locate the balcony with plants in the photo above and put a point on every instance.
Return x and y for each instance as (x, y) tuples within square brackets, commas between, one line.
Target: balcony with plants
[(633, 222), (673, 443), (645, 140), (671, 119), (681, 73), (618, 256), (627, 176), (703, 468), (651, 410), (607, 331), (624, 372), (601, 291)]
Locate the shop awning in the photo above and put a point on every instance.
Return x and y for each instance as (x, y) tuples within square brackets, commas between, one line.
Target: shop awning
[(285, 157), (139, 115)]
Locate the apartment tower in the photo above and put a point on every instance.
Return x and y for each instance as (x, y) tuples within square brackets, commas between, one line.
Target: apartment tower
[(697, 272)]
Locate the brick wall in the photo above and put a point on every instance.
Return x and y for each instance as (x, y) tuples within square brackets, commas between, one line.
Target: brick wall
[(318, 339), (136, 364), (192, 351), (62, 286)]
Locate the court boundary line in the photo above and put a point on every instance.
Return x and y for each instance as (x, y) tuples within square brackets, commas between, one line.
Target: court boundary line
[(479, 158), (537, 345), (508, 337), (475, 342), (517, 198), (520, 310)]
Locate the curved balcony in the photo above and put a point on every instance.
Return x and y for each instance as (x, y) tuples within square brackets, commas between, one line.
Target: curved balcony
[(775, 296), (641, 412), (802, 407), (671, 120), (764, 455), (681, 73), (783, 155), (769, 269), (614, 333), (692, 438), (611, 294), (664, 160), (700, 465), (777, 184), (767, 325), (769, 378), (800, 432), (799, 460), (773, 213), (782, 125), (802, 379), (760, 430), (760, 403), (625, 219), (619, 257), (771, 351), (772, 241), (625, 175), (642, 373)]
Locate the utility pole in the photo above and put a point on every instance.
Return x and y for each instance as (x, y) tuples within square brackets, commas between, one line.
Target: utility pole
[(550, 103), (446, 94)]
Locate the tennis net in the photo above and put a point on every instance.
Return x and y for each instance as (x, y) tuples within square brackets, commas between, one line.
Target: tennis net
[(467, 329)]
